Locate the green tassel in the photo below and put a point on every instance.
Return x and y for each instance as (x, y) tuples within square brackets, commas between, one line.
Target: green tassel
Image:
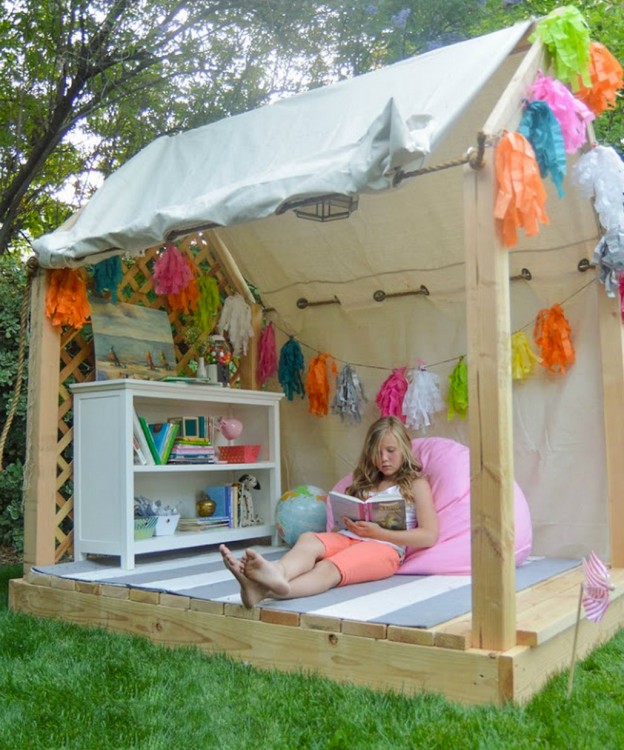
[(458, 391)]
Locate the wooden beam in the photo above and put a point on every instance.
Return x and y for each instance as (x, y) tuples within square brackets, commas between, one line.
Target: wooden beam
[(508, 111), (231, 270), (41, 431), (490, 429), (612, 357)]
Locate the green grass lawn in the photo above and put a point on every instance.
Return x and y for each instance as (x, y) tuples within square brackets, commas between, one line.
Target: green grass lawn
[(64, 686)]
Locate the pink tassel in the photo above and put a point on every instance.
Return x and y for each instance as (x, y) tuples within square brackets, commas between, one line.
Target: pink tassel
[(172, 273), (267, 356), (391, 394), (571, 113)]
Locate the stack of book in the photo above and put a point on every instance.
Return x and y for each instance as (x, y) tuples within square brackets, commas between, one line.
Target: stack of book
[(199, 523), (192, 450)]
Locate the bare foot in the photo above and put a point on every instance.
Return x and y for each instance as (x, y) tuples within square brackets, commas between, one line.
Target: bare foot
[(265, 573), (251, 592)]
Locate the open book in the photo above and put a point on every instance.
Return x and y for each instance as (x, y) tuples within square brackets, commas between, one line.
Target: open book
[(386, 510)]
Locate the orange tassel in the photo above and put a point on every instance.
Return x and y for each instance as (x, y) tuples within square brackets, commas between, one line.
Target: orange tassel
[(67, 303), (606, 79), (521, 198), (317, 384), (186, 299), (552, 336)]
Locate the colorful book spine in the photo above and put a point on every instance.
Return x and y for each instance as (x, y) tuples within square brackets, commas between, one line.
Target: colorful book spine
[(173, 432), (139, 434), (163, 435), (150, 440)]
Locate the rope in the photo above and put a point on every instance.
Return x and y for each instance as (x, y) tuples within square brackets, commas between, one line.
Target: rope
[(474, 158), (31, 268)]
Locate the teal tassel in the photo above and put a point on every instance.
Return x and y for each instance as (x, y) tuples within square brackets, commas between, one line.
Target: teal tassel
[(543, 131), (290, 369), (107, 274)]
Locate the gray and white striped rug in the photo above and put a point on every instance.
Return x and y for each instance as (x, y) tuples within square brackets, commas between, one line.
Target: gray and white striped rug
[(415, 601)]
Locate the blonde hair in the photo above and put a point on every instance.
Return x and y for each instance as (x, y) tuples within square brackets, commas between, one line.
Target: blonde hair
[(367, 476)]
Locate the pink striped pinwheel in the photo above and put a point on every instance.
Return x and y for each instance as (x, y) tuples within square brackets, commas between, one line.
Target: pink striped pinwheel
[(596, 587)]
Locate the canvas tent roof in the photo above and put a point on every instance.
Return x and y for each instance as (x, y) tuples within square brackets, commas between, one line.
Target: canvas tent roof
[(347, 138)]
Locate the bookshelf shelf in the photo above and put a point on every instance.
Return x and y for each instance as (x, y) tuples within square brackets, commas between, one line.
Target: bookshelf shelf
[(106, 479)]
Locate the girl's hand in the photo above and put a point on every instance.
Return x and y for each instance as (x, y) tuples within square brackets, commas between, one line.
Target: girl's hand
[(365, 529)]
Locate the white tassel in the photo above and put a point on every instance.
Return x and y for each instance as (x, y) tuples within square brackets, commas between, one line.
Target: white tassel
[(599, 174), (236, 320), (422, 397), (349, 395)]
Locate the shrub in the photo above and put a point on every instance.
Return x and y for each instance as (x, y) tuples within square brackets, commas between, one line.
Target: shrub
[(12, 290)]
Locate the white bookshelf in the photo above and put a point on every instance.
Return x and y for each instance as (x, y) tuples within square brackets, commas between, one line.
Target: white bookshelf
[(106, 478)]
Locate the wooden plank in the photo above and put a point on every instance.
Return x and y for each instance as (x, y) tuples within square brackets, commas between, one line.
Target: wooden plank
[(280, 617), (612, 358), (509, 109), (201, 605), (175, 600), (490, 428), (556, 611), (41, 431), (416, 636), (533, 666), (115, 592), (228, 265), (467, 676), (319, 622), (364, 629)]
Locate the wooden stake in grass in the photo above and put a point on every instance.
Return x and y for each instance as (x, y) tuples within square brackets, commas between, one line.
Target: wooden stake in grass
[(594, 597)]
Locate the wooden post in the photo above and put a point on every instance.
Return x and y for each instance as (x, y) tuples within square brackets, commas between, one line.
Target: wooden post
[(491, 455), (612, 356), (41, 432), (489, 381)]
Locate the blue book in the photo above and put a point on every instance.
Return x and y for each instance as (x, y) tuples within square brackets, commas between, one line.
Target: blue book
[(221, 496), (163, 435)]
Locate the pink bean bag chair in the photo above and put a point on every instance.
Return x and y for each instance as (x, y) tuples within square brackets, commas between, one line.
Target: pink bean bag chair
[(446, 464)]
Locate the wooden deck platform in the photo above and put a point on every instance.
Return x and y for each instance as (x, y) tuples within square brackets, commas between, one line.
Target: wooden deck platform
[(409, 660)]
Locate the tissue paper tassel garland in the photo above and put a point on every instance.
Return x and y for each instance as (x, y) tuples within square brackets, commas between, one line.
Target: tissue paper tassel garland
[(572, 115), (267, 356), (172, 273), (565, 35), (552, 336), (599, 174), (349, 395), (291, 368), (317, 384), (422, 398), (523, 358), (609, 257), (208, 303), (236, 320), (391, 394), (521, 195), (606, 80), (66, 299), (107, 274), (541, 128), (458, 391)]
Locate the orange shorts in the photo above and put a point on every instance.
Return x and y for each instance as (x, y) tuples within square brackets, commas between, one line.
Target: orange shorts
[(359, 560)]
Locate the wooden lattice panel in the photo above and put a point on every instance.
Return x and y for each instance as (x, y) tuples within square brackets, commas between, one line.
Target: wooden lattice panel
[(77, 360)]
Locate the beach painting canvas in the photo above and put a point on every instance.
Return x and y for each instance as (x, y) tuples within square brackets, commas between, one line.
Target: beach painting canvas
[(131, 341)]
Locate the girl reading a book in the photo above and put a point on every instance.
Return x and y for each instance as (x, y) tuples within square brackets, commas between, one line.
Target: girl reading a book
[(361, 550)]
